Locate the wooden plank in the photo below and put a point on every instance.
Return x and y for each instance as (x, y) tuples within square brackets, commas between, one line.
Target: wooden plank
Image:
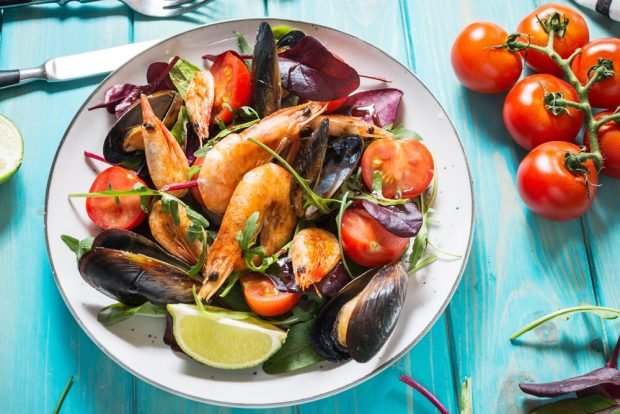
[(521, 266), (41, 344)]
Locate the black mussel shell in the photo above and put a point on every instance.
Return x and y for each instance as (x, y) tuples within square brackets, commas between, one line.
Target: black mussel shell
[(129, 241), (166, 105), (290, 39), (266, 88), (134, 279)]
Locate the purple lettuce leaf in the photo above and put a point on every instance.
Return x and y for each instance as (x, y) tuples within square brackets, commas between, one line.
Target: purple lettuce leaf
[(160, 70), (402, 222), (312, 72), (378, 106), (335, 280), (192, 143), (284, 281), (169, 335), (604, 381)]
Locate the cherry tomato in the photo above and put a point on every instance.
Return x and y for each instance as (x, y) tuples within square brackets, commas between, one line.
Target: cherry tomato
[(609, 142), (110, 212), (528, 120), (194, 190), (605, 93), (367, 242), (478, 65), (575, 36), (333, 106), (406, 166), (232, 85), (549, 189), (263, 297)]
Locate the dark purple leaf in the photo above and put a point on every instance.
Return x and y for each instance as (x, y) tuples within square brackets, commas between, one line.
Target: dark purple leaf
[(169, 336), (120, 97), (378, 106), (606, 380), (312, 72), (156, 71), (403, 221), (335, 280), (192, 143), (284, 281)]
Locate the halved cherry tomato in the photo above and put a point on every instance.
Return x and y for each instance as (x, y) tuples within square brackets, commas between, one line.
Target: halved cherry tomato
[(232, 85), (609, 142), (115, 212), (605, 93), (406, 166), (528, 120), (367, 242), (549, 189), (479, 65), (194, 190), (333, 106), (575, 36), (263, 297)]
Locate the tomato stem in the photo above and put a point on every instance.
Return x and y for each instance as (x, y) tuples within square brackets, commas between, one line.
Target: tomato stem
[(600, 71)]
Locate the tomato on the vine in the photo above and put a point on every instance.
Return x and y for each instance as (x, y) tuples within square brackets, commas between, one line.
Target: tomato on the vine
[(122, 212), (606, 92), (549, 189), (479, 65), (232, 85), (406, 166), (575, 36), (263, 297), (367, 242), (527, 118), (609, 143)]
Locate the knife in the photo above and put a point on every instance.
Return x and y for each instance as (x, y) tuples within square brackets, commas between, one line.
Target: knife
[(77, 66)]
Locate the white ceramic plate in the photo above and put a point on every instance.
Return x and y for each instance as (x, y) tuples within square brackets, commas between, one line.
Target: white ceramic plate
[(136, 344)]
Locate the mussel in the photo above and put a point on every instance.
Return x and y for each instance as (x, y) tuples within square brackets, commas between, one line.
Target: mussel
[(133, 270), (266, 88), (309, 162), (341, 159), (125, 137), (358, 321), (290, 39)]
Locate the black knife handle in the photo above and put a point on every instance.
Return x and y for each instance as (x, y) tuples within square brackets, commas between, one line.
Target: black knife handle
[(9, 77)]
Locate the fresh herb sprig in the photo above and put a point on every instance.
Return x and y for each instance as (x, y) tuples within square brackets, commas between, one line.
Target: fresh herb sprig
[(252, 252)]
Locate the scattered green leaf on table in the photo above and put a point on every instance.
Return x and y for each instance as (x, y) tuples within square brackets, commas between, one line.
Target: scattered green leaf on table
[(466, 400)]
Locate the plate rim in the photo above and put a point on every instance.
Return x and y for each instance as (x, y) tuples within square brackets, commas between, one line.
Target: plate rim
[(335, 391)]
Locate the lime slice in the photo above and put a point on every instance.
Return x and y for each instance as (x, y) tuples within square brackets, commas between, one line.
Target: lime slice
[(11, 149), (220, 341)]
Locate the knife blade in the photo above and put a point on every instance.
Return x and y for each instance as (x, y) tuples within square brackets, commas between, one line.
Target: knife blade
[(77, 66)]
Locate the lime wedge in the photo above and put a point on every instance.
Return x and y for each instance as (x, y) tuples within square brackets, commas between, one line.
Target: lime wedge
[(11, 149), (216, 340)]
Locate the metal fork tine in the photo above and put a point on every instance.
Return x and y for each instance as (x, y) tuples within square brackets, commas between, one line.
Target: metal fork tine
[(177, 10)]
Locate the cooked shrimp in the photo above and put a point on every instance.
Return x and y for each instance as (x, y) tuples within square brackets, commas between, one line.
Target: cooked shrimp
[(233, 156), (172, 236), (314, 252), (164, 157), (199, 102), (265, 190), (340, 125)]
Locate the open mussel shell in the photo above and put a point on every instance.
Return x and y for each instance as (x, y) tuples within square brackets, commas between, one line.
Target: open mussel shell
[(133, 270), (362, 315), (266, 88), (341, 159), (125, 137), (309, 162)]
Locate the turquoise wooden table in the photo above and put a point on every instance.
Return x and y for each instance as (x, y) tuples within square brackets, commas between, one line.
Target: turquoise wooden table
[(521, 266)]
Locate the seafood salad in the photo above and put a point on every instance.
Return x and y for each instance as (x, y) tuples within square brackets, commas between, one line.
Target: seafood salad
[(261, 204)]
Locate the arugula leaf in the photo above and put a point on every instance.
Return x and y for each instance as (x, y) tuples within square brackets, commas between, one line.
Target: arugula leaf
[(466, 400), (79, 247), (193, 170), (195, 269), (377, 184), (591, 404), (244, 48), (605, 313), (400, 131), (178, 131), (63, 395), (181, 75), (296, 353), (343, 206), (246, 237), (201, 152), (280, 31), (234, 299), (230, 283), (118, 312)]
